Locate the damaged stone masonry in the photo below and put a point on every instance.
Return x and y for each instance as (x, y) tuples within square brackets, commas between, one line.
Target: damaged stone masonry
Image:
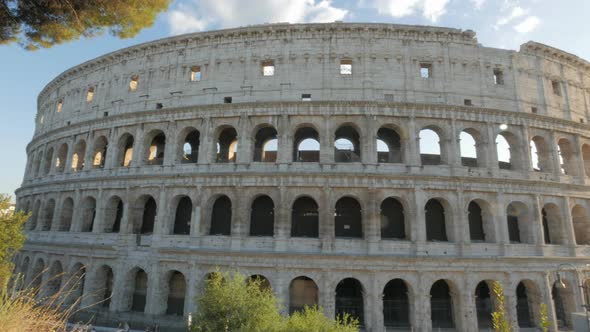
[(387, 171)]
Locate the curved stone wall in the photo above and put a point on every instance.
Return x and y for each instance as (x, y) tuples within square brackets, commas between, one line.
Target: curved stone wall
[(352, 162)]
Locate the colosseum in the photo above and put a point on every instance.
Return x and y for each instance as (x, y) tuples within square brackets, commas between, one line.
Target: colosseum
[(388, 171)]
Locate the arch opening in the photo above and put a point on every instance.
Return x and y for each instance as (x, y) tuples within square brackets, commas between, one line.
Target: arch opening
[(190, 147), (140, 286), (441, 305), (182, 218), (176, 294), (305, 218), (221, 216), (388, 146), (99, 152), (567, 157), (523, 307), (581, 225), (78, 156), (349, 299), (266, 145), (262, 217), (435, 221), (306, 145), (113, 215), (468, 147), (67, 212), (125, 151), (88, 214), (62, 155), (346, 145), (430, 148), (156, 149), (348, 218), (476, 229), (483, 305), (47, 216), (303, 292), (227, 144), (393, 225), (396, 305)]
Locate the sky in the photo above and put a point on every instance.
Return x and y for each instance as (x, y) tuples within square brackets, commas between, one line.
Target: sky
[(498, 23)]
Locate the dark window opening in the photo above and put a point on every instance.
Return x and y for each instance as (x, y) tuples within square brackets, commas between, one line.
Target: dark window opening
[(545, 221), (388, 146), (306, 97), (182, 219), (392, 219), (476, 231), (513, 229), (556, 88), (534, 110), (221, 217), (177, 289), (483, 305), (265, 145), (348, 218), (346, 145), (47, 217), (435, 221), (262, 217), (441, 306), (561, 314), (118, 216), (125, 153), (227, 145), (155, 153), (149, 216), (108, 288), (88, 214), (349, 299), (227, 100), (523, 309), (190, 148), (396, 307), (306, 145), (498, 77), (139, 291), (467, 102), (305, 218)]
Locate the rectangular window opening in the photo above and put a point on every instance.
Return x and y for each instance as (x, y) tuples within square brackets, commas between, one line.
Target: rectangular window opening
[(227, 100), (306, 97), (346, 67), (133, 83), (581, 120), (59, 106), (90, 94), (105, 114), (498, 77), (534, 110), (467, 102), (556, 88), (159, 106), (268, 68), (425, 70), (195, 73)]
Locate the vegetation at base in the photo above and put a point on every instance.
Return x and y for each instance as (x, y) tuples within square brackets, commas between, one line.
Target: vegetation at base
[(499, 319), (231, 302), (11, 238), (545, 323), (43, 24)]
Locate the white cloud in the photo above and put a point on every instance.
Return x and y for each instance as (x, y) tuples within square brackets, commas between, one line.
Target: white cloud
[(514, 13), (198, 15), (430, 9), (528, 25), (478, 3)]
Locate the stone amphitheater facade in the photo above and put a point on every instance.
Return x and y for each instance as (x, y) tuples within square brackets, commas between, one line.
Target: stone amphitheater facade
[(298, 153)]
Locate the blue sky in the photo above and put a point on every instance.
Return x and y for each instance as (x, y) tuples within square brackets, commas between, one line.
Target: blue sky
[(498, 23)]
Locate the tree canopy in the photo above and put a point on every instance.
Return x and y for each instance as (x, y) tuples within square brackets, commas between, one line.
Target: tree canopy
[(12, 238), (231, 302), (38, 24)]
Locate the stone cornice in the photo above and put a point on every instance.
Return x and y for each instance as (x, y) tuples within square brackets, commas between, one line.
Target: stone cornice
[(549, 52)]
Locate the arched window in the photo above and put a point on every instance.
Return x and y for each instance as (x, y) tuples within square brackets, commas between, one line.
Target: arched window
[(441, 305), (346, 145), (435, 221), (348, 218), (88, 214), (303, 291), (266, 145), (552, 224), (148, 218), (176, 293), (67, 211), (581, 225), (35, 216), (260, 281), (104, 286), (190, 147), (125, 150), (156, 148), (504, 155), (54, 279), (349, 299), (516, 217), (388, 146), (36, 274), (305, 218), (47, 217), (430, 149), (140, 286), (24, 269), (37, 164), (99, 152), (306, 145), (523, 307), (221, 217), (483, 305), (113, 215), (586, 158), (540, 155), (468, 147), (563, 302), (182, 219), (62, 155), (396, 306), (262, 217), (227, 144), (567, 157), (79, 155), (47, 162), (75, 281), (393, 225), (476, 231)]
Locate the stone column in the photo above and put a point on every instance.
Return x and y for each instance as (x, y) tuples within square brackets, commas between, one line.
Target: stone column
[(460, 221), (327, 294), (138, 147), (467, 306), (192, 290), (491, 149), (555, 155), (156, 298), (413, 149), (579, 160), (98, 224), (240, 218), (76, 214), (285, 141), (375, 305), (546, 288), (170, 155), (120, 297), (207, 142), (453, 149), (281, 289), (56, 220), (282, 217), (536, 223), (500, 216), (372, 221), (369, 138), (327, 142), (568, 225), (326, 231), (245, 141), (196, 197), (68, 162), (419, 227)]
